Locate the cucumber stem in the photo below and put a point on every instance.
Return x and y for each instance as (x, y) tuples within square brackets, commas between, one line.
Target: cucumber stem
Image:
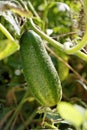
[(56, 44), (46, 37), (81, 55), (79, 46)]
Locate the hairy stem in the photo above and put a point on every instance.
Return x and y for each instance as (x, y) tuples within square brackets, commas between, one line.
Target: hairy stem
[(54, 43), (32, 9), (46, 37), (79, 46)]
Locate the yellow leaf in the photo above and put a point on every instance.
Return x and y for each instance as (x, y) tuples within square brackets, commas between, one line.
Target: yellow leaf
[(70, 113)]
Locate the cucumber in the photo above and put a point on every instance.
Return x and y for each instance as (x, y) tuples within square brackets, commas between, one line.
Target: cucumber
[(39, 71)]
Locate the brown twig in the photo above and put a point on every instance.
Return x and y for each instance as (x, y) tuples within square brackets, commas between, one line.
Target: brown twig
[(14, 122), (81, 1), (5, 118), (22, 119), (66, 34)]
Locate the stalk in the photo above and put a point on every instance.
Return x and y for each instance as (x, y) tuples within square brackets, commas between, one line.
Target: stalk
[(56, 44)]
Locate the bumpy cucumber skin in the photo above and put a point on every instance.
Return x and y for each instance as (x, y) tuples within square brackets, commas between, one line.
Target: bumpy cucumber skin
[(39, 71)]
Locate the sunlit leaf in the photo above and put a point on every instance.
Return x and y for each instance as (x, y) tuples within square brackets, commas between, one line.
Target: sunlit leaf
[(7, 48), (70, 113)]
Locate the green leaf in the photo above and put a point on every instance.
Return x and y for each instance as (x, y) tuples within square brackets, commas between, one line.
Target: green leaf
[(12, 19), (70, 113), (7, 47), (8, 10), (9, 16)]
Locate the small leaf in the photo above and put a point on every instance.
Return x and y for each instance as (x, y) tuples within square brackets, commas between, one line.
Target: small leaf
[(7, 48), (70, 113)]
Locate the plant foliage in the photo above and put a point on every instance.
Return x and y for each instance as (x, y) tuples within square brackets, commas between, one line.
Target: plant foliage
[(62, 24)]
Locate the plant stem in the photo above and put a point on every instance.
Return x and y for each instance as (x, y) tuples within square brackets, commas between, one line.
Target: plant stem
[(32, 9), (44, 19), (50, 126), (28, 120), (79, 46), (56, 44), (46, 37), (16, 111), (15, 46), (6, 33), (81, 55)]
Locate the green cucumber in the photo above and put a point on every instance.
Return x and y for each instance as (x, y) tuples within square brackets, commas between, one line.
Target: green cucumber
[(39, 71)]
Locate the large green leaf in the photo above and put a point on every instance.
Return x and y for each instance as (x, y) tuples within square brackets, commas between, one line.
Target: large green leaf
[(7, 47), (70, 113)]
